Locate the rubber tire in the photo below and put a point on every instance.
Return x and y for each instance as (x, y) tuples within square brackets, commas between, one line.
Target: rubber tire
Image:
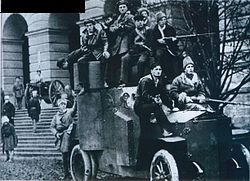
[(94, 166), (169, 160), (239, 151), (76, 155)]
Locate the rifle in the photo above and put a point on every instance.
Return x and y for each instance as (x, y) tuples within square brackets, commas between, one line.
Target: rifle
[(187, 36), (226, 102), (180, 37), (221, 101)]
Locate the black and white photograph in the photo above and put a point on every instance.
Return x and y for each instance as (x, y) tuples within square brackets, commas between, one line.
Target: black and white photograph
[(128, 90)]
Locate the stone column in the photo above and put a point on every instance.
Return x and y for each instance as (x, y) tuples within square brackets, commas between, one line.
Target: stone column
[(12, 63), (49, 45)]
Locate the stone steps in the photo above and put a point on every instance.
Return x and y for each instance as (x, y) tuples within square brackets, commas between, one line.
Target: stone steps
[(35, 145)]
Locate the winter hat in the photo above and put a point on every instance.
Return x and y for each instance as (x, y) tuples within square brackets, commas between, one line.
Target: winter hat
[(140, 10), (160, 15), (187, 60), (5, 119), (122, 2)]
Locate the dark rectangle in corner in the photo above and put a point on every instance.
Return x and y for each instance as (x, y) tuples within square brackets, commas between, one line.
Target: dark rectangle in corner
[(42, 6)]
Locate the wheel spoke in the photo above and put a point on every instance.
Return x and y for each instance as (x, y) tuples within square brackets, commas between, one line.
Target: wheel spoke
[(161, 166), (158, 168)]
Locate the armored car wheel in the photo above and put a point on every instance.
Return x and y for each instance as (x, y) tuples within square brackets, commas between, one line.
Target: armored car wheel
[(239, 165), (94, 166), (80, 165), (163, 167), (56, 88)]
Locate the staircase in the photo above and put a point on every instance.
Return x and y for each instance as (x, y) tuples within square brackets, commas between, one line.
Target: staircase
[(39, 144)]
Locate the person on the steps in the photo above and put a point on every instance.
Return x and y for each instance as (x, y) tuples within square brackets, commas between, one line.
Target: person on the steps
[(9, 109), (34, 109), (9, 138), (61, 126)]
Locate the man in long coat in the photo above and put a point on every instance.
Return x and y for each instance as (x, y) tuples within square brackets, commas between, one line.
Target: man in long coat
[(61, 126), (187, 86), (9, 109), (34, 109)]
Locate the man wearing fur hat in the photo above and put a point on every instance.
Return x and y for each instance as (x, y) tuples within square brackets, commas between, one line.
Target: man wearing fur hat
[(94, 47), (139, 51), (187, 87), (148, 20), (120, 30), (164, 46), (61, 126)]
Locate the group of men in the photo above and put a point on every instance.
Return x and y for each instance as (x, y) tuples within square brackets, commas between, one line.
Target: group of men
[(122, 42)]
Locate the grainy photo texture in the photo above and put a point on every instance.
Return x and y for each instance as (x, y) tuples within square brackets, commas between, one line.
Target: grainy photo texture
[(127, 90)]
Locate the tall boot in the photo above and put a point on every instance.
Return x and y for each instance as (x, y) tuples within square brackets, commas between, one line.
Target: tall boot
[(34, 125), (66, 165), (11, 156)]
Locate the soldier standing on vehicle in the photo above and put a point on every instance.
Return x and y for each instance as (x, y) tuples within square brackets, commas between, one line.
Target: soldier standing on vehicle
[(187, 86), (61, 126), (34, 109), (120, 30), (164, 45), (9, 109), (139, 51), (18, 92)]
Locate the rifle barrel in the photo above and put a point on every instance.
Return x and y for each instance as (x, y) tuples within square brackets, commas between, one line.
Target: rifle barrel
[(189, 36), (226, 102)]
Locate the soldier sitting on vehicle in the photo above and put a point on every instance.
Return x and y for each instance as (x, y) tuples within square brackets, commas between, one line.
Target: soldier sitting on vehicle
[(188, 88), (148, 20), (151, 95), (139, 51), (94, 47), (165, 48), (119, 30)]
